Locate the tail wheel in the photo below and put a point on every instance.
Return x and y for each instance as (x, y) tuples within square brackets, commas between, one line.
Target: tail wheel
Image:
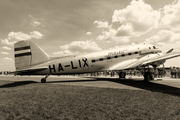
[(43, 80)]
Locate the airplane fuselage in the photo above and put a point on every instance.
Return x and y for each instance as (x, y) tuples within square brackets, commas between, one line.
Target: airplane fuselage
[(96, 61)]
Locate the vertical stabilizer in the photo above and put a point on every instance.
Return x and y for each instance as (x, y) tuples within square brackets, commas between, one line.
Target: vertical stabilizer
[(28, 54)]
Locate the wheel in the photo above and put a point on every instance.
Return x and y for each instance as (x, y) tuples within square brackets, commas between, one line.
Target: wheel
[(43, 80), (122, 75), (147, 77)]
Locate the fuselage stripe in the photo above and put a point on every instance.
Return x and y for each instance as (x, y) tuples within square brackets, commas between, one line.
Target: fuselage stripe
[(116, 56), (23, 54), (22, 48)]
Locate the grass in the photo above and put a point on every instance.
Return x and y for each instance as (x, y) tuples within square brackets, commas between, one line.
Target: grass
[(37, 101)]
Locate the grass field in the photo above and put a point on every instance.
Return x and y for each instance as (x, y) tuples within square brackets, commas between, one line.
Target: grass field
[(36, 101)]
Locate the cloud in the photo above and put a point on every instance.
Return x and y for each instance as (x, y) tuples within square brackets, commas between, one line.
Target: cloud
[(124, 30), (170, 20), (36, 35), (7, 42), (6, 48), (171, 16), (101, 24), (136, 19), (5, 53), (88, 33), (106, 35), (113, 35), (139, 15), (13, 37), (164, 37), (22, 36), (18, 36), (78, 47), (34, 21)]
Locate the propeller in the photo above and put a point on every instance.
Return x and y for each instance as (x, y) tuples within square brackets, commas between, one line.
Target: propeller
[(169, 51)]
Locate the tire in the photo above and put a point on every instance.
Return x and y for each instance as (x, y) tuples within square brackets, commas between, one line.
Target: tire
[(147, 77), (122, 75), (43, 80)]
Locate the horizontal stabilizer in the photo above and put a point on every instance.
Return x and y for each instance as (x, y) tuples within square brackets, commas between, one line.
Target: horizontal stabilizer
[(32, 69)]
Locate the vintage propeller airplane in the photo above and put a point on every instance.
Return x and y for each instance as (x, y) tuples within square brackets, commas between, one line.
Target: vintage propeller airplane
[(30, 59)]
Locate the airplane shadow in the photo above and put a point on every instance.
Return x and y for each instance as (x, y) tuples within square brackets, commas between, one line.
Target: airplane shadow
[(150, 86), (15, 84), (69, 81)]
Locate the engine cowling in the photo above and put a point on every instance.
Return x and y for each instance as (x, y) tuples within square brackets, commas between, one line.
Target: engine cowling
[(158, 63)]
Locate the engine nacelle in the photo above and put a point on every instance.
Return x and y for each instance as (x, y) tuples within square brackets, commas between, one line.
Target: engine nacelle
[(158, 63)]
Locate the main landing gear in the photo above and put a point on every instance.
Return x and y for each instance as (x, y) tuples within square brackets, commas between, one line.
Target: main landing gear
[(122, 74), (148, 76), (43, 80)]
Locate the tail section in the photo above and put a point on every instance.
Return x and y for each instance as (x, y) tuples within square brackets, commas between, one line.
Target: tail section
[(28, 54)]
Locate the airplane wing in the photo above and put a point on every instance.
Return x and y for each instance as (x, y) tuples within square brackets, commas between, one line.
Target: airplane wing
[(162, 57), (143, 61)]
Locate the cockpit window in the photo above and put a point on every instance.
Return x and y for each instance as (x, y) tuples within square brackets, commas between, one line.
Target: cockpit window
[(154, 47)]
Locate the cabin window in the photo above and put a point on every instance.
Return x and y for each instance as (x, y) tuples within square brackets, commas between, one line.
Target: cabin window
[(129, 53), (123, 55), (93, 61), (101, 59), (136, 52), (154, 47), (108, 58), (116, 56)]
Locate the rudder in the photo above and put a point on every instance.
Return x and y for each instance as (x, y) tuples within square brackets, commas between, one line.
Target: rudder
[(28, 54)]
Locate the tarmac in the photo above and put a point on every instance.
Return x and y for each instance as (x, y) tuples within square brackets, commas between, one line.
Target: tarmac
[(164, 85)]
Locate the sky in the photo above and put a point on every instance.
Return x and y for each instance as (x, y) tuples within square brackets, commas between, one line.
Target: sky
[(63, 27)]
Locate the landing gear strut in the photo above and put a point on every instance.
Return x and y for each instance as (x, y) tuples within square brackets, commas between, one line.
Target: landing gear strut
[(148, 76), (122, 74), (43, 80)]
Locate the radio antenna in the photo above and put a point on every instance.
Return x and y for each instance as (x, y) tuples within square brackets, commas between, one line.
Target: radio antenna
[(130, 43)]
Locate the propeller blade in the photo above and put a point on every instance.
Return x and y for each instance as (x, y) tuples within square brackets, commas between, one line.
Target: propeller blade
[(169, 51)]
